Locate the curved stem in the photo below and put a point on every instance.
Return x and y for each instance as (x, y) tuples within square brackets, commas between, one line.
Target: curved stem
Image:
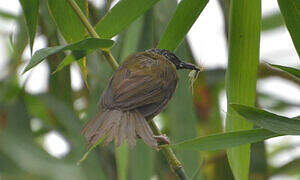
[(107, 54), (167, 151)]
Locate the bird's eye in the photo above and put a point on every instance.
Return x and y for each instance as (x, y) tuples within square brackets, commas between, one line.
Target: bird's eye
[(181, 65)]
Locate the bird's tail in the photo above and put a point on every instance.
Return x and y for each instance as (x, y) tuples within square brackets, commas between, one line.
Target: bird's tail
[(119, 125)]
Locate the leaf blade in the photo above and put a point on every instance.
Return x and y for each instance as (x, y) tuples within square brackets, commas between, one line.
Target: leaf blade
[(30, 10), (86, 44), (183, 19), (267, 120), (293, 71), (290, 9), (225, 140), (121, 15), (241, 75), (66, 20)]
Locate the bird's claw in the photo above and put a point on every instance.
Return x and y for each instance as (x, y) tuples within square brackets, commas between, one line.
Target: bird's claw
[(162, 139)]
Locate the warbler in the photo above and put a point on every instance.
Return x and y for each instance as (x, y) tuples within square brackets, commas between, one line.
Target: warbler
[(138, 90)]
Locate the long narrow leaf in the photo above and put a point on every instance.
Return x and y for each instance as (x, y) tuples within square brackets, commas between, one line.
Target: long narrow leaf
[(70, 26), (122, 161), (270, 121), (293, 71), (241, 75), (272, 22), (225, 140), (66, 20), (121, 15), (30, 10), (186, 14), (86, 44), (290, 9)]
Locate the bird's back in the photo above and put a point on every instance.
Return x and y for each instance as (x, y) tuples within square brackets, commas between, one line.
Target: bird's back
[(145, 81)]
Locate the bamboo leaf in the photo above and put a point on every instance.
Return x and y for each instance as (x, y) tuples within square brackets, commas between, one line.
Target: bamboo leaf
[(185, 15), (66, 20), (272, 21), (241, 75), (7, 15), (69, 60), (225, 140), (70, 27), (83, 158), (122, 161), (84, 45), (30, 10), (267, 120), (293, 71), (290, 168), (121, 15), (290, 10)]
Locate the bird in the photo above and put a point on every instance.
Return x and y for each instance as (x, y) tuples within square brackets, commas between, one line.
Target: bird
[(137, 91)]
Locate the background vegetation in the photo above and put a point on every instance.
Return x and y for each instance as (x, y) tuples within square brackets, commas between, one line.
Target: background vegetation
[(137, 25)]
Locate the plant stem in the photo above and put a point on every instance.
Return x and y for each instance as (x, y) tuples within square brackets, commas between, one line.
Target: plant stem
[(168, 152), (107, 54)]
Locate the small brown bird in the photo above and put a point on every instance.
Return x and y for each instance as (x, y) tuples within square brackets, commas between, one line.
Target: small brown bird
[(139, 90)]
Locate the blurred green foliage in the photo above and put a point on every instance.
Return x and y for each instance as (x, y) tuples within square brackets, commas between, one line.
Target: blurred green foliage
[(64, 110)]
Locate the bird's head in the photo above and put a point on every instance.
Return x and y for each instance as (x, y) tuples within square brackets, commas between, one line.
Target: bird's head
[(174, 59)]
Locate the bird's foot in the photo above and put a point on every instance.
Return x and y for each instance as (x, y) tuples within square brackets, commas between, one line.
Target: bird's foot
[(162, 139)]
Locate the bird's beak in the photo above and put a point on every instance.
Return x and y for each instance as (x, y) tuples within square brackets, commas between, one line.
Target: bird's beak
[(184, 65)]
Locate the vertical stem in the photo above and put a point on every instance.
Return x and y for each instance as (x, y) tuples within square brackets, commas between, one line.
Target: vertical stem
[(241, 75)]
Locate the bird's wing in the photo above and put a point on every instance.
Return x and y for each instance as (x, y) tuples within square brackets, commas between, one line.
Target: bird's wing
[(140, 81)]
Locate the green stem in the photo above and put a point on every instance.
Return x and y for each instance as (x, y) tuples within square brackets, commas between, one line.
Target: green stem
[(93, 33), (168, 152)]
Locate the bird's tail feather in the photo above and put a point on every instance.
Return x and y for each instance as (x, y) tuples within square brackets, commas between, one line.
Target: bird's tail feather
[(119, 125)]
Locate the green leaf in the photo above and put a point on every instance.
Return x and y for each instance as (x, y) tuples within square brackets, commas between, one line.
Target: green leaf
[(72, 58), (267, 120), (122, 161), (293, 71), (131, 37), (290, 10), (290, 168), (7, 15), (65, 62), (70, 27), (141, 161), (67, 21), (272, 21), (186, 14), (84, 45), (121, 15), (30, 10), (37, 108), (225, 140), (90, 150), (241, 74)]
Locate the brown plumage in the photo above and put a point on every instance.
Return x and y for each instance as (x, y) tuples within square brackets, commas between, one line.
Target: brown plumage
[(139, 90)]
